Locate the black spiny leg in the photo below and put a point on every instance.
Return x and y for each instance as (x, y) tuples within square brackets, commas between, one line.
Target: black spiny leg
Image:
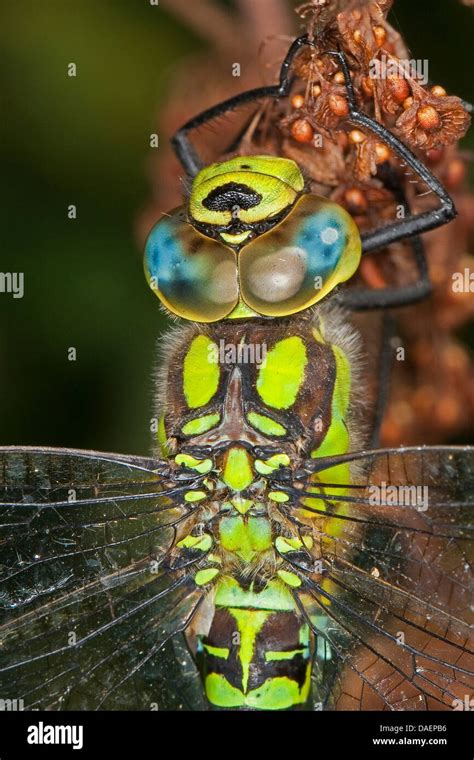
[(409, 226), (416, 223), (180, 141), (413, 225), (362, 299)]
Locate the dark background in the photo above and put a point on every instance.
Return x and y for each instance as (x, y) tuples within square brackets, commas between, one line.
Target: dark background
[(84, 141)]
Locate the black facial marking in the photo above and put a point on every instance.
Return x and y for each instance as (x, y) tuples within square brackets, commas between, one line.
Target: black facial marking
[(225, 197)]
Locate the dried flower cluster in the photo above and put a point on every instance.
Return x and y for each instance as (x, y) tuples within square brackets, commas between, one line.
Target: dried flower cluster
[(433, 388)]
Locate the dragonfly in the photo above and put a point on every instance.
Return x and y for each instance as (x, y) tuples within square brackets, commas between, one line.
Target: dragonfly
[(262, 558)]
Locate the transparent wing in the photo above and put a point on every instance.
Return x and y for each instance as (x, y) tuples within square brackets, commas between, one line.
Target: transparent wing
[(86, 600), (390, 603)]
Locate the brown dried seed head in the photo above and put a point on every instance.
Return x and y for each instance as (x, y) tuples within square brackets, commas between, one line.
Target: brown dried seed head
[(368, 86), (357, 35), (356, 136), (302, 131), (380, 35), (399, 88), (297, 101), (316, 90), (339, 77), (382, 153), (439, 91), (355, 200), (428, 117), (408, 103), (338, 105)]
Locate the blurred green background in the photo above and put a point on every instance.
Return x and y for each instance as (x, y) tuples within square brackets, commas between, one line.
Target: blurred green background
[(84, 141)]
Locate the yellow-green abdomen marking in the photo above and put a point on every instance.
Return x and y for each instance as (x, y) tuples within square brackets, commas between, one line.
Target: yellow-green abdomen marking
[(258, 652)]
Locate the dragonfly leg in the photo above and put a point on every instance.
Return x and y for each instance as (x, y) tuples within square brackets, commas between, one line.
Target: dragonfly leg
[(182, 145), (363, 299), (414, 224)]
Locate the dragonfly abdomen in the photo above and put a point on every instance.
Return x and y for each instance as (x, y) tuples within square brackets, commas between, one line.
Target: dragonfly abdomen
[(255, 657)]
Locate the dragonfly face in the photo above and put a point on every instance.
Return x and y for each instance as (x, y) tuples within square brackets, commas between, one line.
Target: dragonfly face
[(252, 241), (301, 573)]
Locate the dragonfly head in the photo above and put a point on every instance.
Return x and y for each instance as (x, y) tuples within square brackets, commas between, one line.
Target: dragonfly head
[(251, 242), (234, 201)]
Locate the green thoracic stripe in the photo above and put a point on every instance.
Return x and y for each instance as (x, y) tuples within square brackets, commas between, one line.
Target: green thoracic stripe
[(245, 537), (202, 466), (206, 575), (203, 543), (282, 375), (342, 388), (336, 440), (201, 424), (162, 436), (194, 495), (201, 372), (265, 424), (237, 473)]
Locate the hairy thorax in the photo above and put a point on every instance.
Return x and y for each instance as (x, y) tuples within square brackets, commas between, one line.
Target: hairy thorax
[(242, 406)]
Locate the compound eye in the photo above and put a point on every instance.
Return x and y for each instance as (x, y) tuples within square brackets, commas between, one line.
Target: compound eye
[(301, 260), (193, 276)]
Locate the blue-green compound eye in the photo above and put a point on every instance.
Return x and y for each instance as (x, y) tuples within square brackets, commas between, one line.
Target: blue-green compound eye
[(281, 272), (297, 263), (324, 234), (194, 276)]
